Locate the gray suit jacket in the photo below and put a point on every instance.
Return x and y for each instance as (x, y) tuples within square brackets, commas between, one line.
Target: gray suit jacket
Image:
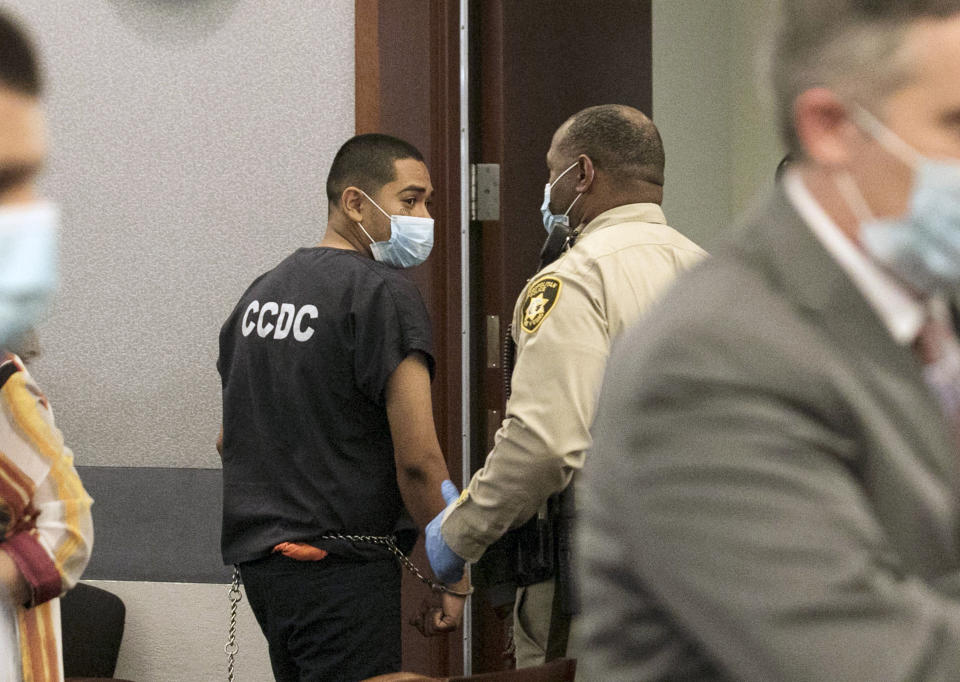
[(772, 492)]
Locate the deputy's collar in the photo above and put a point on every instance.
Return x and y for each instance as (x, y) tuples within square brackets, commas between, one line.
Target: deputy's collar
[(627, 213)]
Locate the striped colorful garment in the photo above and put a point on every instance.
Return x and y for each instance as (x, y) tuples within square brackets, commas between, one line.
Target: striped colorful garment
[(45, 522)]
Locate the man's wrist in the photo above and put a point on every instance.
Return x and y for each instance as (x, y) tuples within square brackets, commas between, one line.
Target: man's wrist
[(462, 585), (457, 591)]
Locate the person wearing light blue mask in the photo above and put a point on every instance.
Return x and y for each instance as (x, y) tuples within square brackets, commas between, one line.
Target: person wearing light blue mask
[(772, 487), (46, 528), (28, 265), (609, 256), (921, 246), (411, 239), (29, 225), (328, 432)]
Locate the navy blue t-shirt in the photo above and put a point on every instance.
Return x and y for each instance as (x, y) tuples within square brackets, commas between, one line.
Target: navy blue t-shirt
[(304, 362)]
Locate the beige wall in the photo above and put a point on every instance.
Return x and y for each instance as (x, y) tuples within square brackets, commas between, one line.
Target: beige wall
[(720, 139)]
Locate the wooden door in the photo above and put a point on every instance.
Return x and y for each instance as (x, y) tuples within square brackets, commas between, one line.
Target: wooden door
[(532, 64), (536, 62), (407, 85)]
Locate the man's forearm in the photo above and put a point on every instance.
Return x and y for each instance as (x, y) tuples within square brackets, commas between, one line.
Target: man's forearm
[(419, 485)]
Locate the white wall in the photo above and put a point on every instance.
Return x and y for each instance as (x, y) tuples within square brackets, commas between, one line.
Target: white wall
[(191, 144), (176, 632), (720, 138)]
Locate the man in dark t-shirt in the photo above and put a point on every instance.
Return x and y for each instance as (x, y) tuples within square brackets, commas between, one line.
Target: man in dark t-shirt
[(328, 429)]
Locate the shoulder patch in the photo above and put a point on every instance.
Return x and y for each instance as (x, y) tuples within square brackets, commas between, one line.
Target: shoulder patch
[(542, 295)]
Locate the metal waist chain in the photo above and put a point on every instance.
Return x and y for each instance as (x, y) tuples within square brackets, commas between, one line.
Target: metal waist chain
[(390, 543), (232, 648)]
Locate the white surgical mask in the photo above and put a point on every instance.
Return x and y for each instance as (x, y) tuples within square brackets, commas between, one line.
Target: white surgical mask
[(28, 265), (922, 247), (411, 240), (551, 220)]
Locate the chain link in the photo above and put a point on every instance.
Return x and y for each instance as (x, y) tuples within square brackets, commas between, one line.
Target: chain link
[(231, 647), (390, 543)]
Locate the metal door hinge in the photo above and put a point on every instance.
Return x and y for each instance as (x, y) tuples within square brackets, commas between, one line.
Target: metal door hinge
[(485, 191)]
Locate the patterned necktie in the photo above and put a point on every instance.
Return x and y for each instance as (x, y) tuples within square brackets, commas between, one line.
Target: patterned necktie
[(938, 349)]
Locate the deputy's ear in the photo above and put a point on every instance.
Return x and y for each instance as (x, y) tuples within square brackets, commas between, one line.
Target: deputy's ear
[(350, 202), (585, 173), (824, 127)]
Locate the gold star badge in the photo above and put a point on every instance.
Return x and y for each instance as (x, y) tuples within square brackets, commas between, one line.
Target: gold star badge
[(542, 295)]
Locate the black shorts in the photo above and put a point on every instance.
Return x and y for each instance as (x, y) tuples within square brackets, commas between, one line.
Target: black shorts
[(327, 620)]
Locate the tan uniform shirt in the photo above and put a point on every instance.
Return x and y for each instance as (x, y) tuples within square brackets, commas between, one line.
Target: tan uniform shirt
[(563, 325)]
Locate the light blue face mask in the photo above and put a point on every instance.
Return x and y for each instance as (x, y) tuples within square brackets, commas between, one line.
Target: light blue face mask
[(411, 240), (551, 220), (922, 247), (28, 265)]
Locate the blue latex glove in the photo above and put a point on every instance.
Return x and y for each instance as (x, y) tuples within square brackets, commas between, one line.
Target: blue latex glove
[(446, 564)]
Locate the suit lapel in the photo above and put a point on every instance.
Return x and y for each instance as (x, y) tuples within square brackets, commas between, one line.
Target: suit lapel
[(783, 247)]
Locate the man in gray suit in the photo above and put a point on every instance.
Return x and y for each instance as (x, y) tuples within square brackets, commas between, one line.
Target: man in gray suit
[(774, 489)]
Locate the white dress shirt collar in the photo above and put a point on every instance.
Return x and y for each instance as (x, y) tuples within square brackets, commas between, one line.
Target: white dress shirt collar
[(899, 310)]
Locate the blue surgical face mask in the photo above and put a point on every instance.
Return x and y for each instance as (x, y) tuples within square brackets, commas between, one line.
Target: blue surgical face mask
[(28, 265), (922, 247), (411, 240), (551, 220)]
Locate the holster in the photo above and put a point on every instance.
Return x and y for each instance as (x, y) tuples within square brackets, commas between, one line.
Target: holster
[(523, 556), (544, 549), (536, 557), (540, 549), (566, 586)]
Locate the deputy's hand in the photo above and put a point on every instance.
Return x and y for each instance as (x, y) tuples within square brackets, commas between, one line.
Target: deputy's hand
[(447, 565)]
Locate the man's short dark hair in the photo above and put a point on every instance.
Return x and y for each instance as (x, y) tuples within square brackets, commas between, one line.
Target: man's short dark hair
[(620, 140), (366, 162), (852, 47), (19, 69)]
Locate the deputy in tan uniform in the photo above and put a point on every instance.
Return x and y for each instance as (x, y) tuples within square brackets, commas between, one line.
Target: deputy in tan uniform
[(606, 178)]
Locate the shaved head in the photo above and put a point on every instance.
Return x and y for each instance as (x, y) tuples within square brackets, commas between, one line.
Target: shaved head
[(622, 142)]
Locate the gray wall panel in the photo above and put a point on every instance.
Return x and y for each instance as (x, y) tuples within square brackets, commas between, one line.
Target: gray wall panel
[(153, 524)]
